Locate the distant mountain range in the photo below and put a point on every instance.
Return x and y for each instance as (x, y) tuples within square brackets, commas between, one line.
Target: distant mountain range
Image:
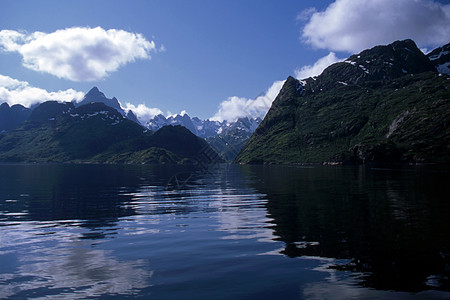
[(227, 138), (389, 103)]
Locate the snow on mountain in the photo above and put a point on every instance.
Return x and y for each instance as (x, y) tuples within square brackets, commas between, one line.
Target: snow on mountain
[(203, 128), (440, 58), (96, 96)]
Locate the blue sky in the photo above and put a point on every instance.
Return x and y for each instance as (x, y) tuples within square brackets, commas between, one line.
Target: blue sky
[(209, 57)]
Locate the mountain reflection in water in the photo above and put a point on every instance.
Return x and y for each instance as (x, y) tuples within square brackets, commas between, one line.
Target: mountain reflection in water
[(393, 224)]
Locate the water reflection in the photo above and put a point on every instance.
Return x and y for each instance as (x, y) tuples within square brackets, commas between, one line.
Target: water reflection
[(97, 194), (57, 222), (52, 260), (391, 225), (88, 231)]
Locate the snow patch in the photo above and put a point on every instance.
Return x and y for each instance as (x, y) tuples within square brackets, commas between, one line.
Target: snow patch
[(437, 56), (350, 62), (444, 68), (364, 69)]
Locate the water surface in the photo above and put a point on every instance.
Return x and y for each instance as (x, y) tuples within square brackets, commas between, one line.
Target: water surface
[(227, 232)]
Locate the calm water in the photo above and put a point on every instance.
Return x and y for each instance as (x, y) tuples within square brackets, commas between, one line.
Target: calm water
[(230, 232)]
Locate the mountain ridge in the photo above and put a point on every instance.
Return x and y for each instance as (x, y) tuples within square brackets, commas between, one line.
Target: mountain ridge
[(12, 116), (387, 103), (97, 133)]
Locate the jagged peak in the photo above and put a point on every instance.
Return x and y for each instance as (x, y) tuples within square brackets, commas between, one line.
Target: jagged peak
[(95, 95), (94, 92)]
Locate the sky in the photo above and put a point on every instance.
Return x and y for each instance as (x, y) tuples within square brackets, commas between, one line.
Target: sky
[(213, 59)]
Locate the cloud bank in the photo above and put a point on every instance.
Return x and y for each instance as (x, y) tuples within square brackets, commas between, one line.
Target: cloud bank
[(14, 91), (237, 107), (351, 26), (77, 53)]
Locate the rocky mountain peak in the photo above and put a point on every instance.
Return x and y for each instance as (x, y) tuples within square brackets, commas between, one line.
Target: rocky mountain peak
[(96, 96), (381, 63), (94, 93)]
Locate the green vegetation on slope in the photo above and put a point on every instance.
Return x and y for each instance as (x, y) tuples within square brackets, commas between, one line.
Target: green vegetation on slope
[(344, 116), (96, 133)]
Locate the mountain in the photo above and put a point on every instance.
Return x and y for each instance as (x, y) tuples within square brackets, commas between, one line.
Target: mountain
[(201, 128), (387, 103), (95, 95), (95, 132), (207, 128), (232, 137), (226, 138), (440, 58), (12, 117)]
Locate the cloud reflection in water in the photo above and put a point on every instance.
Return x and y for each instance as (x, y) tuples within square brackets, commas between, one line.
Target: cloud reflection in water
[(63, 264)]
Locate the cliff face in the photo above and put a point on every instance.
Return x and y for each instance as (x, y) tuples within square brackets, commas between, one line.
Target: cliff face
[(387, 103)]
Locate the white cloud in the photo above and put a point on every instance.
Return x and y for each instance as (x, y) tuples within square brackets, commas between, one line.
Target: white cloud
[(142, 112), (348, 25), (237, 107), (318, 67), (14, 91), (306, 14), (77, 53), (171, 115)]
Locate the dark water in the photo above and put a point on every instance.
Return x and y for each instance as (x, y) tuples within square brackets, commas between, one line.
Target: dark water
[(230, 232)]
